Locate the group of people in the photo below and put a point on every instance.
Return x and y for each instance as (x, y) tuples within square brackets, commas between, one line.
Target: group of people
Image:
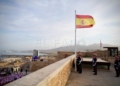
[(26, 70), (8, 75), (6, 71), (79, 60), (117, 65), (35, 58), (9, 78)]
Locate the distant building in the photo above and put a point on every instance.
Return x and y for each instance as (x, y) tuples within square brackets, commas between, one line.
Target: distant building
[(112, 51), (35, 53)]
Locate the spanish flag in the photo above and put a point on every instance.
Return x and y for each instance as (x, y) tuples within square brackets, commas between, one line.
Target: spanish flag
[(84, 21)]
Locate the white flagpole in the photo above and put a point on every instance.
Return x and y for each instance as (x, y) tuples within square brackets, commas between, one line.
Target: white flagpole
[(100, 44), (75, 42), (100, 47)]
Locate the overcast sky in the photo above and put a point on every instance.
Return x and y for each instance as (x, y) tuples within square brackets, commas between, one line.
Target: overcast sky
[(46, 24)]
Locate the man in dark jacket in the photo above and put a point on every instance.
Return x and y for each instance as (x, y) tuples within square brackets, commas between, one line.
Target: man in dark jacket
[(26, 70), (116, 66), (21, 70), (79, 62), (119, 64), (94, 63)]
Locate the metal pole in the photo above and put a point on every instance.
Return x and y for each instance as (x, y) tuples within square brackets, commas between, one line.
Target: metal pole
[(75, 42), (100, 48)]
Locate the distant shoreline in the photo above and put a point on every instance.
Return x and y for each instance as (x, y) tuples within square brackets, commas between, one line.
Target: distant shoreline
[(17, 54)]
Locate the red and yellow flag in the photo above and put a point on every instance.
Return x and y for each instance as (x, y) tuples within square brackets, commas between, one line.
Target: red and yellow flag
[(84, 21)]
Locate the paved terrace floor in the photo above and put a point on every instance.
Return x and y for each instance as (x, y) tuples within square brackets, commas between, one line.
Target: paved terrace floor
[(103, 78)]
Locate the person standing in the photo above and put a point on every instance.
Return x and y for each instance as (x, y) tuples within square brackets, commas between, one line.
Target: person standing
[(26, 70), (116, 65), (94, 63), (21, 70), (79, 62), (12, 69), (119, 65)]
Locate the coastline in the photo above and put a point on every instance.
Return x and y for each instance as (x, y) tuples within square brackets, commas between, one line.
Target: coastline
[(19, 54)]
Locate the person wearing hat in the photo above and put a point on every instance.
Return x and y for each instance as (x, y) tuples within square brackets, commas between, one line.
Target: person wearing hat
[(116, 66), (94, 63), (119, 65), (79, 62), (93, 60)]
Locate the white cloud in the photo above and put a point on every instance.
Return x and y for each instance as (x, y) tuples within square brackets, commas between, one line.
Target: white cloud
[(53, 20)]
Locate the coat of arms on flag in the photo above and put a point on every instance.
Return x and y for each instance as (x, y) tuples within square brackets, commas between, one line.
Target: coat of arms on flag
[(84, 21)]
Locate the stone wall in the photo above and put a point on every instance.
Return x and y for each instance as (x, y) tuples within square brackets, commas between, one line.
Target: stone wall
[(111, 60), (63, 54), (36, 65), (118, 52), (55, 74), (61, 75)]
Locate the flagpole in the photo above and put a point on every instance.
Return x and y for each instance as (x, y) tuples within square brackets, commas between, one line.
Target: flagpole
[(100, 48), (75, 42)]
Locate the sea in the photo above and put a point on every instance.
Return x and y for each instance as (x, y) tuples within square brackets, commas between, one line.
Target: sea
[(2, 54)]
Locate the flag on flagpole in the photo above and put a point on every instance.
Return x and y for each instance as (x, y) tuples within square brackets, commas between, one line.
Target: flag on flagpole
[(84, 21)]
